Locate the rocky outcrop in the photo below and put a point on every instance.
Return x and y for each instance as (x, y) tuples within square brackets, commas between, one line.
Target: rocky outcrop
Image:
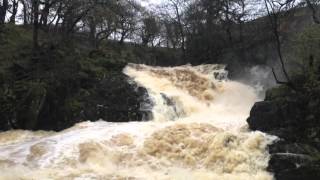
[(294, 118), (117, 99), (89, 94)]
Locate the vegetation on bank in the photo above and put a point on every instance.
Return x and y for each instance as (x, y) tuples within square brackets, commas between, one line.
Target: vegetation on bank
[(50, 88)]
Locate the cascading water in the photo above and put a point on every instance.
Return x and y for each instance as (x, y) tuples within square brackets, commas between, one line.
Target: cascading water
[(198, 131)]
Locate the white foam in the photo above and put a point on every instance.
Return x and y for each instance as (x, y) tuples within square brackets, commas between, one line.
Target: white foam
[(199, 134)]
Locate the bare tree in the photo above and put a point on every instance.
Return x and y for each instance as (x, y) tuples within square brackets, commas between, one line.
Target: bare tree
[(311, 5), (72, 13), (35, 10), (101, 22), (25, 4), (3, 11), (47, 5), (274, 10), (14, 11), (149, 30), (127, 12), (177, 5)]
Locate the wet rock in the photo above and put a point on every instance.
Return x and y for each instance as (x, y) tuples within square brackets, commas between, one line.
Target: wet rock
[(296, 156), (286, 170), (280, 117), (113, 98), (264, 116), (117, 100)]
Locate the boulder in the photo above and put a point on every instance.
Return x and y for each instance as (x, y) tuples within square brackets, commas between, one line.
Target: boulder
[(117, 99), (264, 116), (296, 156)]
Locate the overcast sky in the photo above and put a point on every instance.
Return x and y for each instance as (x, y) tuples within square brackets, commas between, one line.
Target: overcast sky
[(148, 2)]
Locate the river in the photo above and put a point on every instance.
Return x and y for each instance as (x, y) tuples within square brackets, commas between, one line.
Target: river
[(198, 131)]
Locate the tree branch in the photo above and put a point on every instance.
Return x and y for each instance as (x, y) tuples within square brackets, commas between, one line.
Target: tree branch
[(314, 12)]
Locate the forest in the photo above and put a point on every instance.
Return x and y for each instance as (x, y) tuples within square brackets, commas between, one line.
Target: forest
[(61, 63)]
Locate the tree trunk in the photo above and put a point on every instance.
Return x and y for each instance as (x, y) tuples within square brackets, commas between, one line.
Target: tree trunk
[(25, 15), (93, 31), (274, 21), (14, 11), (122, 39), (58, 17), (123, 35), (210, 30), (3, 11), (181, 30), (35, 8), (44, 14)]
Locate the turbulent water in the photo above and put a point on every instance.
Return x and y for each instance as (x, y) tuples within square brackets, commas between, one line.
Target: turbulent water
[(198, 131)]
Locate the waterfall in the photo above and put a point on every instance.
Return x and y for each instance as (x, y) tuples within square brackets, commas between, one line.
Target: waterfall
[(198, 131)]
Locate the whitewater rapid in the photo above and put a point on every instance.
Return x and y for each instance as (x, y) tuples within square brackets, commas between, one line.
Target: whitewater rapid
[(198, 131)]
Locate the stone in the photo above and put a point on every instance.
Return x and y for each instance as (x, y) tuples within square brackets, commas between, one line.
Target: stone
[(296, 156)]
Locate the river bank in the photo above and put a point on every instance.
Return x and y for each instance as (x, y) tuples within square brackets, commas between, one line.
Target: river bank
[(294, 118)]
